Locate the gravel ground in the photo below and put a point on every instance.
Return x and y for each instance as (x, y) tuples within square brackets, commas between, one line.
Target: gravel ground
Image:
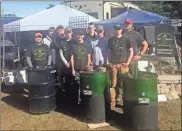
[(15, 116)]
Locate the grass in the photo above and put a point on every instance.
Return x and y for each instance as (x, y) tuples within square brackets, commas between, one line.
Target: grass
[(15, 116)]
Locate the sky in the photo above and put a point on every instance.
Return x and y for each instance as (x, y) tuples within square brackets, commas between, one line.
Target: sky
[(23, 9)]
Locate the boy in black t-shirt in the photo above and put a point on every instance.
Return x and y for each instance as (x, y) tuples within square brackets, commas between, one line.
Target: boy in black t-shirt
[(80, 58), (38, 54), (120, 54), (65, 55), (81, 54)]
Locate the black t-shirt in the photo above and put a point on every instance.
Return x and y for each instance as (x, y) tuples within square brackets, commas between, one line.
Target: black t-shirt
[(66, 48), (56, 44), (39, 54), (119, 49), (136, 39), (80, 53)]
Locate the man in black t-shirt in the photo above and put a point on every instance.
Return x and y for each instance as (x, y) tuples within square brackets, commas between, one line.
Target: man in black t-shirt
[(120, 53), (80, 59), (65, 55), (81, 54), (139, 44), (55, 47), (137, 40), (38, 54)]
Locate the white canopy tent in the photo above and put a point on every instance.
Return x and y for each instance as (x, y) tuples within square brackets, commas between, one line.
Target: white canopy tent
[(58, 15)]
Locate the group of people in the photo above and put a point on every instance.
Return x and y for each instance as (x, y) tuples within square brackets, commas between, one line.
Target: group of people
[(71, 55)]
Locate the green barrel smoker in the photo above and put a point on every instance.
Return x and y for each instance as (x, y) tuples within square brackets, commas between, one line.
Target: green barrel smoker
[(94, 90), (140, 99), (41, 81)]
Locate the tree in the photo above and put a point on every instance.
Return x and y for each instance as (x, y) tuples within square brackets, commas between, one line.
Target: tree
[(151, 6), (50, 6)]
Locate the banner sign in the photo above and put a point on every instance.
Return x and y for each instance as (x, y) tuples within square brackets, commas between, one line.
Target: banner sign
[(164, 35)]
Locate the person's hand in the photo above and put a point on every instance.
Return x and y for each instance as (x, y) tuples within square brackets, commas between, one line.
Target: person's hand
[(136, 57), (109, 65), (125, 65), (30, 68), (118, 66), (67, 65), (73, 73), (91, 64)]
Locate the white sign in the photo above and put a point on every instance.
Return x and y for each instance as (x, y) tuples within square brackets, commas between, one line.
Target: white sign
[(143, 100)]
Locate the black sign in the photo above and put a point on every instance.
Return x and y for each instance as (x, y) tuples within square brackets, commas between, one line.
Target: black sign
[(164, 35)]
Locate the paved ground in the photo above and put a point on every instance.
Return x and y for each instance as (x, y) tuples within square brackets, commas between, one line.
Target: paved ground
[(15, 116)]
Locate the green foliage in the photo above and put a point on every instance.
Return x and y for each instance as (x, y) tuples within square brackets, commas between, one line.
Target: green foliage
[(161, 6)]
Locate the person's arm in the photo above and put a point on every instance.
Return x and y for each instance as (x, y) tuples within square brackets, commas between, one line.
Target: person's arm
[(144, 44), (72, 65), (29, 62), (49, 55), (49, 60), (89, 62), (109, 51), (144, 47), (43, 41), (101, 58), (62, 57), (53, 51), (130, 56), (28, 58)]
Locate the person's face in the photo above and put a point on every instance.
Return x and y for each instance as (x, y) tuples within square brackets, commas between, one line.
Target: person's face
[(60, 32), (51, 32), (38, 39), (117, 32), (68, 34), (91, 28), (128, 26), (79, 37), (100, 33)]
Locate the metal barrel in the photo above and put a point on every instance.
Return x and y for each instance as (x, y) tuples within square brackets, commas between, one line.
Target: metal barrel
[(42, 93), (140, 100), (94, 92)]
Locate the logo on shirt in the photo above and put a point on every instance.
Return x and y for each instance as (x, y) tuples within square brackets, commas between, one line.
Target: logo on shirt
[(39, 54), (81, 52), (66, 51), (118, 48)]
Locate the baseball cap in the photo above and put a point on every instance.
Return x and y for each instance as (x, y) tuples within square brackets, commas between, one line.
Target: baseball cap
[(129, 21), (38, 34), (117, 27), (99, 27), (68, 29)]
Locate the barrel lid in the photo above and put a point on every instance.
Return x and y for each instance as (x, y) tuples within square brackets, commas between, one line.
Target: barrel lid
[(41, 68), (91, 72)]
